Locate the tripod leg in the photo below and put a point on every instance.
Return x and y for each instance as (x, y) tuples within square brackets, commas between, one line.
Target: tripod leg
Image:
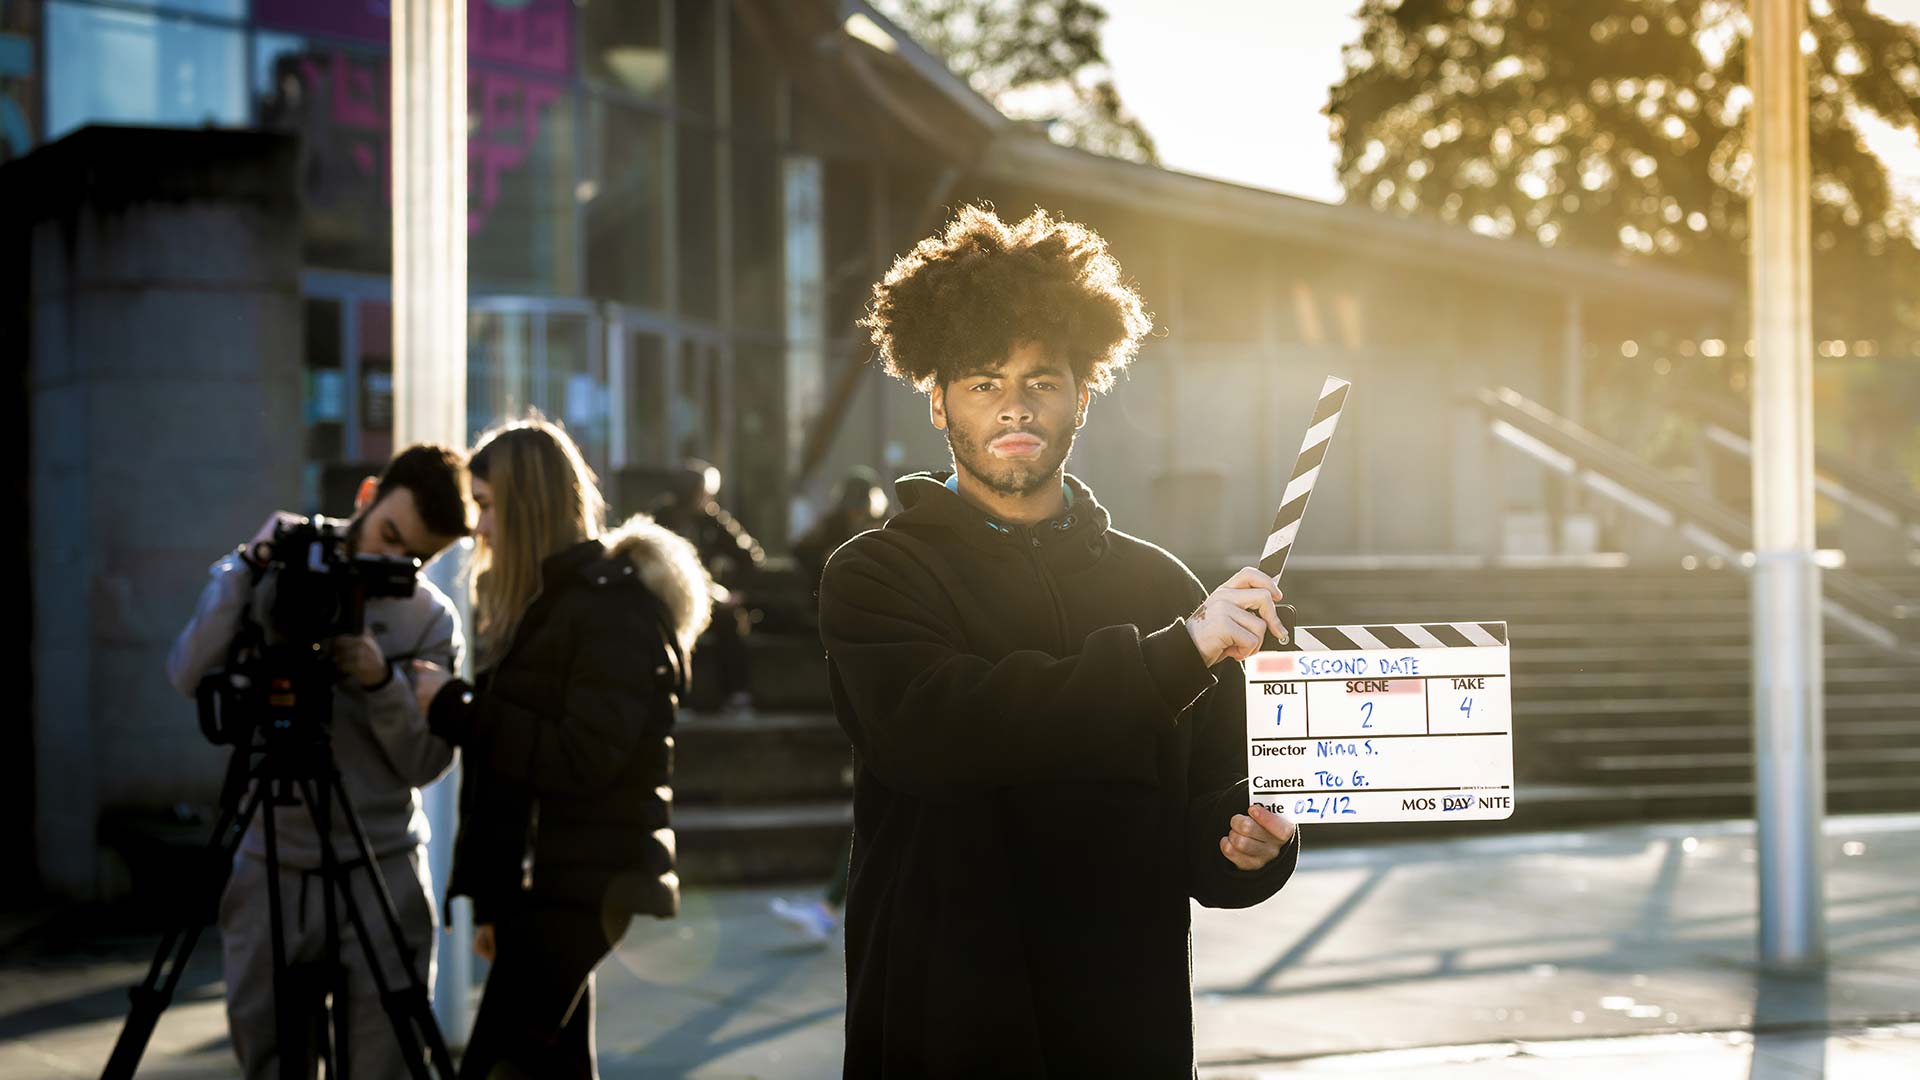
[(408, 1006), (290, 1021), (390, 1000), (151, 997), (334, 1040), (415, 992)]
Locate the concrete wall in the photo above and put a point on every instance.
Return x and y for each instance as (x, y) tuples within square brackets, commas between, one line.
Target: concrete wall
[(165, 324)]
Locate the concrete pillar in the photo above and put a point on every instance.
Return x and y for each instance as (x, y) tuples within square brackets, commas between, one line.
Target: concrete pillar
[(164, 373), (430, 343)]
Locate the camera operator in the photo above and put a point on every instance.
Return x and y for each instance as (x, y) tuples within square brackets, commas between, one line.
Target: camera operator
[(384, 753)]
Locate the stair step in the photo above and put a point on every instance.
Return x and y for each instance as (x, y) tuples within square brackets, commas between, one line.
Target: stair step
[(797, 841)]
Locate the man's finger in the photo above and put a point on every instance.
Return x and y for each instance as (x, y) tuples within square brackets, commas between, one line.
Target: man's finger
[(1259, 849), (1246, 826), (1279, 826), (1252, 578), (1246, 620), (1263, 606), (1236, 858)]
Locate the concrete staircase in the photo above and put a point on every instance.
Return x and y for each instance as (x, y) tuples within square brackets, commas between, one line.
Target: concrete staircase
[(1630, 703)]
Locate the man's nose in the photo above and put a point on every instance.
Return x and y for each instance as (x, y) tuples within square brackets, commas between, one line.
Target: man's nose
[(1016, 411)]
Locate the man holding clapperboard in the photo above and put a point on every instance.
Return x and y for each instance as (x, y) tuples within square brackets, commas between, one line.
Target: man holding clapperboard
[(1049, 715)]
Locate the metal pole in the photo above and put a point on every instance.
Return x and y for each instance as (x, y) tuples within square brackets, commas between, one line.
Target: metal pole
[(1789, 760), (429, 110)]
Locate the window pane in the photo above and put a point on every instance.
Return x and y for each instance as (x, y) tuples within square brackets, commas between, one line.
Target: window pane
[(756, 225), (520, 182), (20, 84), (127, 67), (499, 369), (646, 400), (759, 479), (695, 26), (756, 84), (336, 99), (325, 401), (534, 36), (375, 344), (624, 196), (699, 262), (576, 394), (848, 198), (233, 9), (621, 46)]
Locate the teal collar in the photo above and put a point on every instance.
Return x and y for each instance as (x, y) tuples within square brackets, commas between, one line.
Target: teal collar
[(1066, 491)]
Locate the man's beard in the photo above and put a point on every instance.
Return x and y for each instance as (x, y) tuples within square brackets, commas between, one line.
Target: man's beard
[(1009, 476)]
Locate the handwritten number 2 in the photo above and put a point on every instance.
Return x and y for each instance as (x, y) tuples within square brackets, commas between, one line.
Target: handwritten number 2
[(1366, 714)]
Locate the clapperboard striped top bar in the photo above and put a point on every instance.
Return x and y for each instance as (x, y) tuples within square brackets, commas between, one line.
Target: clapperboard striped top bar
[(1449, 635), (1306, 469)]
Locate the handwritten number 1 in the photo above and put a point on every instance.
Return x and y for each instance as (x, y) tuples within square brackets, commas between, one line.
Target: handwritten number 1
[(1277, 710)]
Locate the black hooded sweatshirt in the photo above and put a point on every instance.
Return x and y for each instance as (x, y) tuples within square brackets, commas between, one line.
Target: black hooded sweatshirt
[(1045, 770)]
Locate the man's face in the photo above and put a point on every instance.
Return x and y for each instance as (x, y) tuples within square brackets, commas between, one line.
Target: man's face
[(1011, 424), (391, 527)]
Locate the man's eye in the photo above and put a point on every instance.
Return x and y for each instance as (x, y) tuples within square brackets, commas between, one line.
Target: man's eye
[(1043, 386), (982, 386)]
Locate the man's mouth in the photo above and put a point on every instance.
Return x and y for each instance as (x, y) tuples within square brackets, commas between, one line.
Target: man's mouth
[(1017, 444)]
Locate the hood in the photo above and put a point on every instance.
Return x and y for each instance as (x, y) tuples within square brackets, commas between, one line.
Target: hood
[(670, 568)]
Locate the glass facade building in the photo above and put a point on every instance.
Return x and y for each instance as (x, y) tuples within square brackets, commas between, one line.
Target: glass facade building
[(646, 237)]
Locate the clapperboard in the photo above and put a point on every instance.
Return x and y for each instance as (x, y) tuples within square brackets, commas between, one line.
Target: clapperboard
[(1399, 722)]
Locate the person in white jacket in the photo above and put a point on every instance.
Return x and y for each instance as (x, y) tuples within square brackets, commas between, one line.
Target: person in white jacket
[(416, 508)]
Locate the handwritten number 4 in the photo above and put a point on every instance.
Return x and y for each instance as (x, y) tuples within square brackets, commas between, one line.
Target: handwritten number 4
[(1466, 706)]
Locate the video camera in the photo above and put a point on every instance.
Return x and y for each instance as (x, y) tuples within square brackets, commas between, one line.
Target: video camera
[(279, 678), (321, 587)]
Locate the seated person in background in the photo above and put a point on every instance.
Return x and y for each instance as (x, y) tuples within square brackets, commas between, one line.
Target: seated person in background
[(731, 555), (860, 504)]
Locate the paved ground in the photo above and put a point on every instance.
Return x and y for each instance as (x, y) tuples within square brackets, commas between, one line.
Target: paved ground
[(1601, 952)]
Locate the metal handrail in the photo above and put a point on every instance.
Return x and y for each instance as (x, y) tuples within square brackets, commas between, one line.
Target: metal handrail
[(1869, 610), (1884, 502)]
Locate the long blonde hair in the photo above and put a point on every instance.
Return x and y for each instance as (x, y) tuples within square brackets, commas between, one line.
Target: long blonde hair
[(545, 500)]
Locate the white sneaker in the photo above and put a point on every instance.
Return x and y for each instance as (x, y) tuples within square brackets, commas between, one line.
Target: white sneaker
[(810, 917)]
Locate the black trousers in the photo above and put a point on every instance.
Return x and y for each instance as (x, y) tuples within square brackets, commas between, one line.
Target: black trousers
[(536, 1013)]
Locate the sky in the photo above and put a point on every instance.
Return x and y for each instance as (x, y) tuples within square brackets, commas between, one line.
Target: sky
[(1233, 88)]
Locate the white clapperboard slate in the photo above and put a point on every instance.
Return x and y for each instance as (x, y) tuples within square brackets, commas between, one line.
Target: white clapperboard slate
[(1408, 722)]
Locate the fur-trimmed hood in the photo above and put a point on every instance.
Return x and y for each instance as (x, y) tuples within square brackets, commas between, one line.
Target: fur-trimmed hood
[(670, 568)]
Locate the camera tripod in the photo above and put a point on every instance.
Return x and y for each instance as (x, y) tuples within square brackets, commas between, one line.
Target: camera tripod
[(295, 766)]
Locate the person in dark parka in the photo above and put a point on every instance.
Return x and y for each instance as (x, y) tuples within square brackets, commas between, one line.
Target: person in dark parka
[(1048, 714), (566, 743)]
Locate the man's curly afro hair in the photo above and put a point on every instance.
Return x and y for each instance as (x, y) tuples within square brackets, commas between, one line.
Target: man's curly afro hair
[(962, 298)]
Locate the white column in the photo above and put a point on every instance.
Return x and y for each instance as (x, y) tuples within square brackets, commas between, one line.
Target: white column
[(430, 339), (1789, 759)]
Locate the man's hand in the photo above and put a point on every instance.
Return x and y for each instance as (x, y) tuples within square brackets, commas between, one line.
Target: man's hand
[(483, 942), (260, 548), (360, 657), (1235, 619), (428, 678), (1255, 837)]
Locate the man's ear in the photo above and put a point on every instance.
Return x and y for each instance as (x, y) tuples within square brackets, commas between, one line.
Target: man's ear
[(937, 406), (1086, 402), (369, 487)]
